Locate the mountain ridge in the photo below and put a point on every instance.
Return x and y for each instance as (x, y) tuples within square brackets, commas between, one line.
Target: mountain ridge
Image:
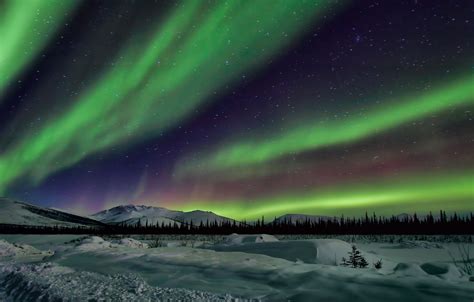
[(17, 212), (143, 214)]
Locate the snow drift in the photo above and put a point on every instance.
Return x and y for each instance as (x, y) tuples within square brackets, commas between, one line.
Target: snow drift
[(321, 251), (91, 268)]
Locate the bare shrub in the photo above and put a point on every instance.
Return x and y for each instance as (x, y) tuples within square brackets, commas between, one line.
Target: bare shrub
[(465, 264)]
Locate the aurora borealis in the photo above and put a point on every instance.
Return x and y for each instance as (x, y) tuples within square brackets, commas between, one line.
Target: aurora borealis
[(34, 21), (245, 108)]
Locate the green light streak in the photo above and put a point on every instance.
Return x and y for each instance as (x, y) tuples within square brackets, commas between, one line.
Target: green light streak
[(26, 26), (155, 84), (417, 193), (315, 135)]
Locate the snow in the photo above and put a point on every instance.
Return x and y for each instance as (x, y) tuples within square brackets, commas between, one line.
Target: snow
[(132, 243), (51, 282), (92, 243), (124, 269), (417, 244), (409, 270), (18, 250), (41, 242), (447, 271), (234, 239), (133, 214)]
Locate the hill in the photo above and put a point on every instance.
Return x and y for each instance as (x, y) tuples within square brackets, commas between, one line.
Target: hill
[(22, 213)]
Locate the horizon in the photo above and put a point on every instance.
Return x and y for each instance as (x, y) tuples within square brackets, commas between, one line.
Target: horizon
[(435, 213)]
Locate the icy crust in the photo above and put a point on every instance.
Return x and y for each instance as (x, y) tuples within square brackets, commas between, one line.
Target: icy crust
[(50, 282)]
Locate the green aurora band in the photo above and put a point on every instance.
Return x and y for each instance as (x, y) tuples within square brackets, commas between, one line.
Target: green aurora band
[(159, 79), (411, 193), (26, 26), (315, 134)]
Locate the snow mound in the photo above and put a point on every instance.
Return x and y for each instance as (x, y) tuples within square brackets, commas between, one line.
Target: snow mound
[(447, 271), (50, 282), (320, 251), (254, 238), (92, 243), (95, 244), (14, 250), (408, 270), (132, 243)]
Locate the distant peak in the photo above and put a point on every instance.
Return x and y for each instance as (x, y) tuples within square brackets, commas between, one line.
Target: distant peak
[(131, 208)]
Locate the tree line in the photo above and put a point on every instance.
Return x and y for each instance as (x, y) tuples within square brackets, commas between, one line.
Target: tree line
[(410, 224)]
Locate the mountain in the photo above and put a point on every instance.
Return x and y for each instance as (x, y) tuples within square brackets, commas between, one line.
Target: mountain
[(22, 213), (300, 218), (133, 214)]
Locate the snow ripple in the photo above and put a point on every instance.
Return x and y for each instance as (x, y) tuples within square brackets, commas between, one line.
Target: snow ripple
[(51, 282)]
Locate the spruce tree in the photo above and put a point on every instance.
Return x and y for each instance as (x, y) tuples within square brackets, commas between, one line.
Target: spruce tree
[(355, 259)]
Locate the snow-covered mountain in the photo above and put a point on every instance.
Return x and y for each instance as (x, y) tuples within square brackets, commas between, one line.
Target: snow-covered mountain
[(132, 214), (22, 213), (300, 218)]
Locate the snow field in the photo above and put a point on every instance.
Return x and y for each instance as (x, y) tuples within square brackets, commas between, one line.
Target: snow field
[(243, 266)]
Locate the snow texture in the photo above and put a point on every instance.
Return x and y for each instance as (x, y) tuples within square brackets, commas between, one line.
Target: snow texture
[(50, 282)]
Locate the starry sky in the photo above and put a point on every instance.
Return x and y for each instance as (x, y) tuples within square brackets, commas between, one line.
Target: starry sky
[(244, 108)]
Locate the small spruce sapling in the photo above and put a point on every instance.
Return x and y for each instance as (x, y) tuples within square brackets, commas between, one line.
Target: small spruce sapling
[(355, 259)]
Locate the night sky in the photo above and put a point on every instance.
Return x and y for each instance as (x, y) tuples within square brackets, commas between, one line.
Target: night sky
[(244, 108)]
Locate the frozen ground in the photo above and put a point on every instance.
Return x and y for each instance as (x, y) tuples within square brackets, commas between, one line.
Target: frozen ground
[(234, 268)]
